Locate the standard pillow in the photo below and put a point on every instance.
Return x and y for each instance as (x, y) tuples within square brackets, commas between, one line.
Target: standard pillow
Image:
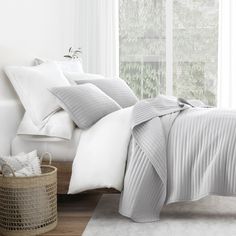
[(85, 76), (86, 103), (59, 126), (32, 84), (115, 88), (73, 77), (67, 66)]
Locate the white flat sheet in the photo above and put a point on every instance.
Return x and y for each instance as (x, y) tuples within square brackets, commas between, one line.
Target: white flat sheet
[(64, 150)]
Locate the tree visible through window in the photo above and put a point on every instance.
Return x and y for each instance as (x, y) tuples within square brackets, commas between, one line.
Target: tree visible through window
[(195, 49)]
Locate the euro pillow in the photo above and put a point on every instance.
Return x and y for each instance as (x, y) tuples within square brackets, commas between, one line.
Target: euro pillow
[(86, 104), (32, 84), (115, 88), (67, 66), (58, 127)]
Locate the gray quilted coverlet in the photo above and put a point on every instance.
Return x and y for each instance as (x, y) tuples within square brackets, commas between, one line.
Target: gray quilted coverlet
[(178, 153)]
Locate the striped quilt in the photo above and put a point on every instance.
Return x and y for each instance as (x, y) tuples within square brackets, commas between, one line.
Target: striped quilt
[(178, 153)]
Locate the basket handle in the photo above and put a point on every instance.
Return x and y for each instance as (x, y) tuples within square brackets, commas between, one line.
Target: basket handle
[(6, 166), (46, 154)]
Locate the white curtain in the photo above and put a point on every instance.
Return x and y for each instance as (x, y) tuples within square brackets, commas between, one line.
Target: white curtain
[(227, 54), (97, 33)]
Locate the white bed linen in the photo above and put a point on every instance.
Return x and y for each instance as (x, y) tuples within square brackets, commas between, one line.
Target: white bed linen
[(99, 152), (59, 126), (32, 83), (64, 150), (102, 152)]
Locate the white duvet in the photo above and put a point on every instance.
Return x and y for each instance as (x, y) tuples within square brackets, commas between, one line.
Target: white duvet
[(102, 152)]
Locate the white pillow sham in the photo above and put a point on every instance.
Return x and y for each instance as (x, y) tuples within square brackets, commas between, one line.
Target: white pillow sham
[(67, 66), (59, 126), (32, 84), (73, 77), (85, 76)]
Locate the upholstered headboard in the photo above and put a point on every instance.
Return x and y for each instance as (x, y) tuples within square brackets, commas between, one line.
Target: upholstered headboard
[(29, 29), (11, 109)]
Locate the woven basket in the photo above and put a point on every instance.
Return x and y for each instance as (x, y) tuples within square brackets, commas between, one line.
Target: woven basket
[(28, 205)]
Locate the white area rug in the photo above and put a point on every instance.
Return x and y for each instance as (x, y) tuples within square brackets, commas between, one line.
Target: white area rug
[(213, 216)]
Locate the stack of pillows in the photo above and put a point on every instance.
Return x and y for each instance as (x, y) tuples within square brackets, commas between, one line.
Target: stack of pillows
[(57, 94)]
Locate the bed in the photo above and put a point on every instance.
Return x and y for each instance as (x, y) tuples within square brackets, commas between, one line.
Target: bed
[(154, 151)]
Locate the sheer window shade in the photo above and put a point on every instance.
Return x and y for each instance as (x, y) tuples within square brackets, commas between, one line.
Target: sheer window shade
[(97, 33)]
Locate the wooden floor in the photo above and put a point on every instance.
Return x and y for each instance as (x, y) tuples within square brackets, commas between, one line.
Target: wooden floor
[(74, 213)]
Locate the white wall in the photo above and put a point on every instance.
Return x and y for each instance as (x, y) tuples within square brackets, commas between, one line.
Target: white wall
[(29, 28)]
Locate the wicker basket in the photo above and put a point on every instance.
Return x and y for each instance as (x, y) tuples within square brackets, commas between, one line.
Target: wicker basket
[(28, 205)]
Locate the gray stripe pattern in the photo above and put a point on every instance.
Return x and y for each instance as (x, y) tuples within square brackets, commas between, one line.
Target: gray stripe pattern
[(202, 155), (177, 156), (86, 104), (116, 88), (145, 180)]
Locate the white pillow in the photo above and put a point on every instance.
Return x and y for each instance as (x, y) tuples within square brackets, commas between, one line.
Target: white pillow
[(73, 65), (73, 77), (85, 76), (22, 164), (59, 126), (32, 84)]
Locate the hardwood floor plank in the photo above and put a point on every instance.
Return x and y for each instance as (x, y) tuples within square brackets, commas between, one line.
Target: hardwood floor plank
[(74, 212)]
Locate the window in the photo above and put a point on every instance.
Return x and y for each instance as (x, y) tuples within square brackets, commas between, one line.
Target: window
[(142, 46), (144, 27)]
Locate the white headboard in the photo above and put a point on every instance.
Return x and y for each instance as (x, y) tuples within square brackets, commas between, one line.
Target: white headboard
[(29, 29)]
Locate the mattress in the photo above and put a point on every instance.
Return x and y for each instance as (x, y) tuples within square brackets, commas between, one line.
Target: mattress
[(63, 150)]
